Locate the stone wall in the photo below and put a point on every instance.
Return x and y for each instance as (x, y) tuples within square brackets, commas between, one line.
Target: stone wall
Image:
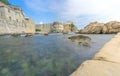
[(57, 27), (44, 28), (13, 21)]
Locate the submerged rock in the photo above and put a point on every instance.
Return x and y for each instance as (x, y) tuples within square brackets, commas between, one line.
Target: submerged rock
[(81, 39), (28, 35), (105, 63), (87, 44), (16, 35), (46, 34)]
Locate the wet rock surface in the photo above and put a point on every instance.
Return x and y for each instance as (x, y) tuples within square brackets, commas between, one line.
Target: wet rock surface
[(81, 39), (105, 63)]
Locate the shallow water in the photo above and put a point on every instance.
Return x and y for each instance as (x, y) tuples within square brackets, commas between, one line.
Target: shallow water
[(52, 55)]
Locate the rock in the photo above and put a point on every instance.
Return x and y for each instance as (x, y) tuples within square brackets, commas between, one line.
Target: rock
[(46, 34), (87, 44), (113, 27), (94, 28), (81, 39), (28, 35), (14, 21), (16, 35), (57, 27), (105, 63), (102, 28), (70, 27)]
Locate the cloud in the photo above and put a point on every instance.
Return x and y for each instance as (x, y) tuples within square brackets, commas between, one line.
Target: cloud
[(76, 10), (44, 5)]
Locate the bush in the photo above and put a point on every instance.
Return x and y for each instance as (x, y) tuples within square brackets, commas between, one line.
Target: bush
[(5, 1), (37, 30)]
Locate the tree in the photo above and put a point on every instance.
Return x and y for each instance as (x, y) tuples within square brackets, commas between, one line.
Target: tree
[(5, 1)]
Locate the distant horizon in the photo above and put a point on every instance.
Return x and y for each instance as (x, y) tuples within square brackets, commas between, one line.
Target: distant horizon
[(81, 12)]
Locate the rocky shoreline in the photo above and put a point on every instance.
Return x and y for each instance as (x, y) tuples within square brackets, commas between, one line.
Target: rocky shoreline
[(111, 27), (105, 63)]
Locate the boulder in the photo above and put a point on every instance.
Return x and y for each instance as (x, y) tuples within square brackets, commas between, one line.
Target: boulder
[(94, 28), (113, 27), (81, 39), (102, 28)]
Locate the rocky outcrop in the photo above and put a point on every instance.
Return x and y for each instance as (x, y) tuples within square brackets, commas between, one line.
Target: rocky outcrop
[(102, 28), (14, 21), (94, 28), (105, 63), (81, 39), (57, 27), (69, 27)]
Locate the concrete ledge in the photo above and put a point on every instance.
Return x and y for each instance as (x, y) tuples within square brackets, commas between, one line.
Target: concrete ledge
[(111, 51), (105, 63), (98, 68)]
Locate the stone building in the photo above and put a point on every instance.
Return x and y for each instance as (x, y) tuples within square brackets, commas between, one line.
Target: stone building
[(13, 20)]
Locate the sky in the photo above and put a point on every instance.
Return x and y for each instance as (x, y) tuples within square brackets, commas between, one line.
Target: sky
[(81, 12)]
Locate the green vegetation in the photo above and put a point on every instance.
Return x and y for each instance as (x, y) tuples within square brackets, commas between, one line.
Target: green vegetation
[(5, 1), (37, 30)]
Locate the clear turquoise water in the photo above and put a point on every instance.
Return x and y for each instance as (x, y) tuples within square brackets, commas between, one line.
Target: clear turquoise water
[(52, 55)]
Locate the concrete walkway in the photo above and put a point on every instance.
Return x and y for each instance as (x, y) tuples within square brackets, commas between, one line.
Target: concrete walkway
[(105, 63)]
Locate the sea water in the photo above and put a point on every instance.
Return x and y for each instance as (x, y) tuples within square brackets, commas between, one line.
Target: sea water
[(52, 55)]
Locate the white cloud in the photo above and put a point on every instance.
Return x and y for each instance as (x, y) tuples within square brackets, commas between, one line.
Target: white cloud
[(77, 8), (103, 10), (44, 5)]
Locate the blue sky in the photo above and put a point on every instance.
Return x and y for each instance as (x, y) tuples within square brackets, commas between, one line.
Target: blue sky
[(81, 12)]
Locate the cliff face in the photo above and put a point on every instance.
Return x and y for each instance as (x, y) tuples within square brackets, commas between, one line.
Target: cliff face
[(44, 28), (57, 27), (13, 21), (70, 27), (105, 63), (102, 28)]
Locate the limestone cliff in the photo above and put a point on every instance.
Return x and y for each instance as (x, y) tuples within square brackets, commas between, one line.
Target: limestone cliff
[(57, 27), (43, 28), (105, 63), (14, 21), (70, 27), (102, 28)]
